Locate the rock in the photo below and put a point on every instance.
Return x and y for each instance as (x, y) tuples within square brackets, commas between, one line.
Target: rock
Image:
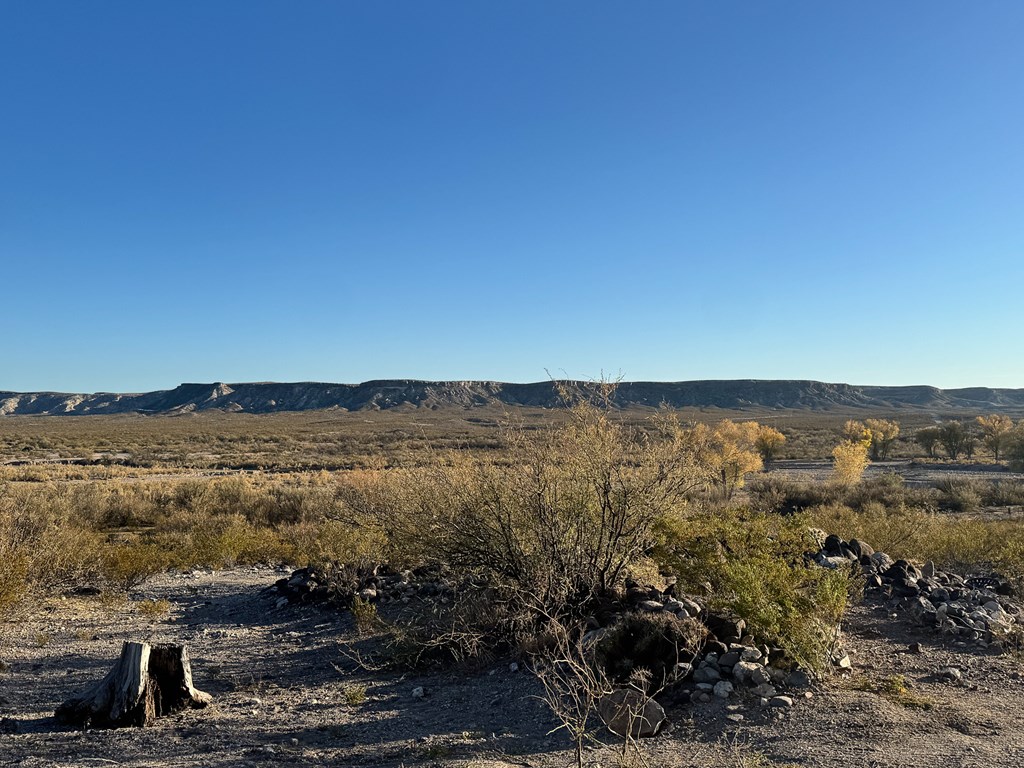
[(629, 712), (798, 679), (842, 660), (833, 546), (706, 674), (281, 602), (760, 676), (882, 561), (743, 670), (751, 654), (651, 606), (723, 689), (728, 659), (765, 690), (950, 674), (726, 627), (675, 606), (418, 692), (681, 671), (781, 701), (513, 667), (928, 570), (861, 549), (691, 607), (735, 717)]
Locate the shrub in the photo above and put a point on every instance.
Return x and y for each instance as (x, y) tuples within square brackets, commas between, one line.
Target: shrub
[(849, 460), (560, 522), (753, 564), (961, 495), (127, 565), (651, 642)]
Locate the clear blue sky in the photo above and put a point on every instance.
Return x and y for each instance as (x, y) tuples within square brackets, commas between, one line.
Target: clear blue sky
[(339, 191)]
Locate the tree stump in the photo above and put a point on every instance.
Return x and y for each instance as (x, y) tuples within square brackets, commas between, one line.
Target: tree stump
[(147, 682)]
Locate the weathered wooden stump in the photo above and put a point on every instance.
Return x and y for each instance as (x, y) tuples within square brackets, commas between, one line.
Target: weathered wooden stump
[(147, 682)]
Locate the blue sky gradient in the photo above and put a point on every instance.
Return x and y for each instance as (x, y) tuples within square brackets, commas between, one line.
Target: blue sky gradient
[(340, 191)]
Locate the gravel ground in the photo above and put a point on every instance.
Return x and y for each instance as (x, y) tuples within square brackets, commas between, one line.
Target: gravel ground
[(282, 679)]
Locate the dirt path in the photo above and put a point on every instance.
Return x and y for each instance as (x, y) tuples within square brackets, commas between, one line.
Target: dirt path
[(284, 695)]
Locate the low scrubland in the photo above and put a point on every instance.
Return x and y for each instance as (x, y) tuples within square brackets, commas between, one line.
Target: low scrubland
[(547, 520)]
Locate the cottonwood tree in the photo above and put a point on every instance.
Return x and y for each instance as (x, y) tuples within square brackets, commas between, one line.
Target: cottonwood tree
[(879, 434), (1014, 447), (928, 438), (955, 438), (732, 452), (882, 434), (995, 431), (769, 442), (849, 460)]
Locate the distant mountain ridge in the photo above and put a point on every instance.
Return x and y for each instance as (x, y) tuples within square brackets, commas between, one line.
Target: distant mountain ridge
[(270, 397)]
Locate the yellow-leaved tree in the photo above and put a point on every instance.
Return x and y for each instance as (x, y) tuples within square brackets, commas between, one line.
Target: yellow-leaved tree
[(849, 460), (881, 434), (734, 453), (995, 431), (769, 442)]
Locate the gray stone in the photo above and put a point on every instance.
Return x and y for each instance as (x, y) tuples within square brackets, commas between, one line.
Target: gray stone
[(729, 659), (706, 674), (418, 692), (950, 674), (766, 690), (723, 689), (743, 670), (882, 561), (629, 712), (798, 679), (760, 676), (842, 660), (651, 606), (781, 701), (751, 654)]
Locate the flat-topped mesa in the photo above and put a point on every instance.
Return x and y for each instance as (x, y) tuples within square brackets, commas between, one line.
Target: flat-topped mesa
[(737, 394)]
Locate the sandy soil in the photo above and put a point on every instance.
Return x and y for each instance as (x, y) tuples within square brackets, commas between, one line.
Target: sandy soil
[(280, 678)]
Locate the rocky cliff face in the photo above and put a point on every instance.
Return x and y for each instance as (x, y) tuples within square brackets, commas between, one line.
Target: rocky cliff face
[(271, 397)]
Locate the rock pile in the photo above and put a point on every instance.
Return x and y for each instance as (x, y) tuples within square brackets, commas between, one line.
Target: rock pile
[(340, 585), (976, 609)]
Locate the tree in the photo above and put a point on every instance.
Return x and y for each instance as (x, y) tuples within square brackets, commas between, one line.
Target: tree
[(954, 438), (1014, 447), (995, 431), (733, 453), (882, 434), (928, 438), (849, 460), (855, 431), (769, 441)]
